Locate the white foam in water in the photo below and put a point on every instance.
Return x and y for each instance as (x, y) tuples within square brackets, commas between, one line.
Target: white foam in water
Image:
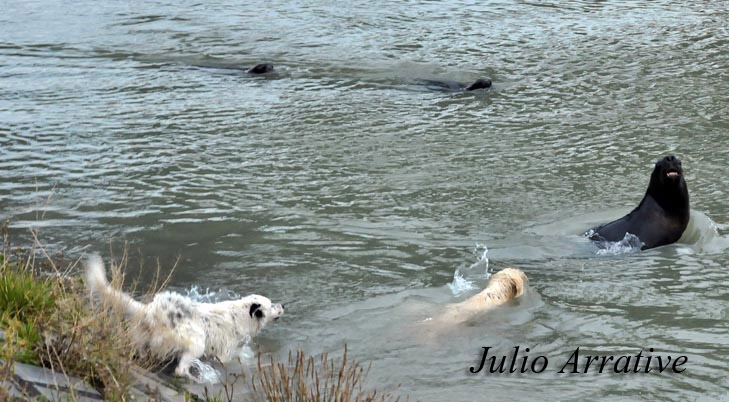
[(246, 353), (629, 244), (209, 296), (195, 294), (207, 374), (702, 234), (460, 284)]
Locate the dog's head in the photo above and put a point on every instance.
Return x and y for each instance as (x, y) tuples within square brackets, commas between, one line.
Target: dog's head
[(261, 310), (508, 283)]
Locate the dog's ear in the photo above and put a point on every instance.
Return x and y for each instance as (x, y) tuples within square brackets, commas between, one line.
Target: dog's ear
[(255, 310)]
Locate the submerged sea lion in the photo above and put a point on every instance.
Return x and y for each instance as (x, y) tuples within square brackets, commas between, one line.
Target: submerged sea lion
[(236, 69), (260, 68), (662, 215), (482, 83)]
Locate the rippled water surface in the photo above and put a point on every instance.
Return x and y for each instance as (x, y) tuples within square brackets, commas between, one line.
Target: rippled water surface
[(341, 183)]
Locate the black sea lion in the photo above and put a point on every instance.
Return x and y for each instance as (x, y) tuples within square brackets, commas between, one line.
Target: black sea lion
[(662, 215), (479, 84), (260, 69), (482, 83)]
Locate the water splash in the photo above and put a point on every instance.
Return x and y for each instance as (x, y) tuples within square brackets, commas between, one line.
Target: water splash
[(206, 374), (629, 244), (460, 283), (702, 235), (209, 296), (246, 352)]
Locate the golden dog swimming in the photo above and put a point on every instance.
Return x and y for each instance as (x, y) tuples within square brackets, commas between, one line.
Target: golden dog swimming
[(505, 285)]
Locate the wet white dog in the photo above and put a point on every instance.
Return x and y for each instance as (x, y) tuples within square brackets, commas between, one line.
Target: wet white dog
[(175, 326)]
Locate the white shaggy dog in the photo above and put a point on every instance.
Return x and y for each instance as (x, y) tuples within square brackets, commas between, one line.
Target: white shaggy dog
[(503, 286), (175, 326)]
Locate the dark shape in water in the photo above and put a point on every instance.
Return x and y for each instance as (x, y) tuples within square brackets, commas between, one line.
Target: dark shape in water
[(662, 215), (453, 86), (479, 84), (260, 69)]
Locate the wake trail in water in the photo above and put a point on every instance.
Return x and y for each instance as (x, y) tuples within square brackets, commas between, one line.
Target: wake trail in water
[(702, 234)]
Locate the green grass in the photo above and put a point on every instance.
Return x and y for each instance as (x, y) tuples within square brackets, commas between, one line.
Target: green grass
[(25, 301)]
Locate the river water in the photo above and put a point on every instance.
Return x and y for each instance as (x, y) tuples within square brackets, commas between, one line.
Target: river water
[(343, 185)]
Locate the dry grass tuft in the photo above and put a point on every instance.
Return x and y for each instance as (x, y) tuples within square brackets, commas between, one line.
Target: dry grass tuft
[(308, 379)]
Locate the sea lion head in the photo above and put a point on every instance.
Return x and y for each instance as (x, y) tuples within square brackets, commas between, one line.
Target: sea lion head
[(260, 69), (479, 84), (667, 173), (667, 185)]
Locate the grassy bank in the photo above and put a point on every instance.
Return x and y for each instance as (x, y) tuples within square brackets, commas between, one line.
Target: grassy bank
[(46, 316), (47, 322)]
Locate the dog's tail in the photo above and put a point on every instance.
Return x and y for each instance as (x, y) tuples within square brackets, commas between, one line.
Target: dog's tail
[(98, 285)]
